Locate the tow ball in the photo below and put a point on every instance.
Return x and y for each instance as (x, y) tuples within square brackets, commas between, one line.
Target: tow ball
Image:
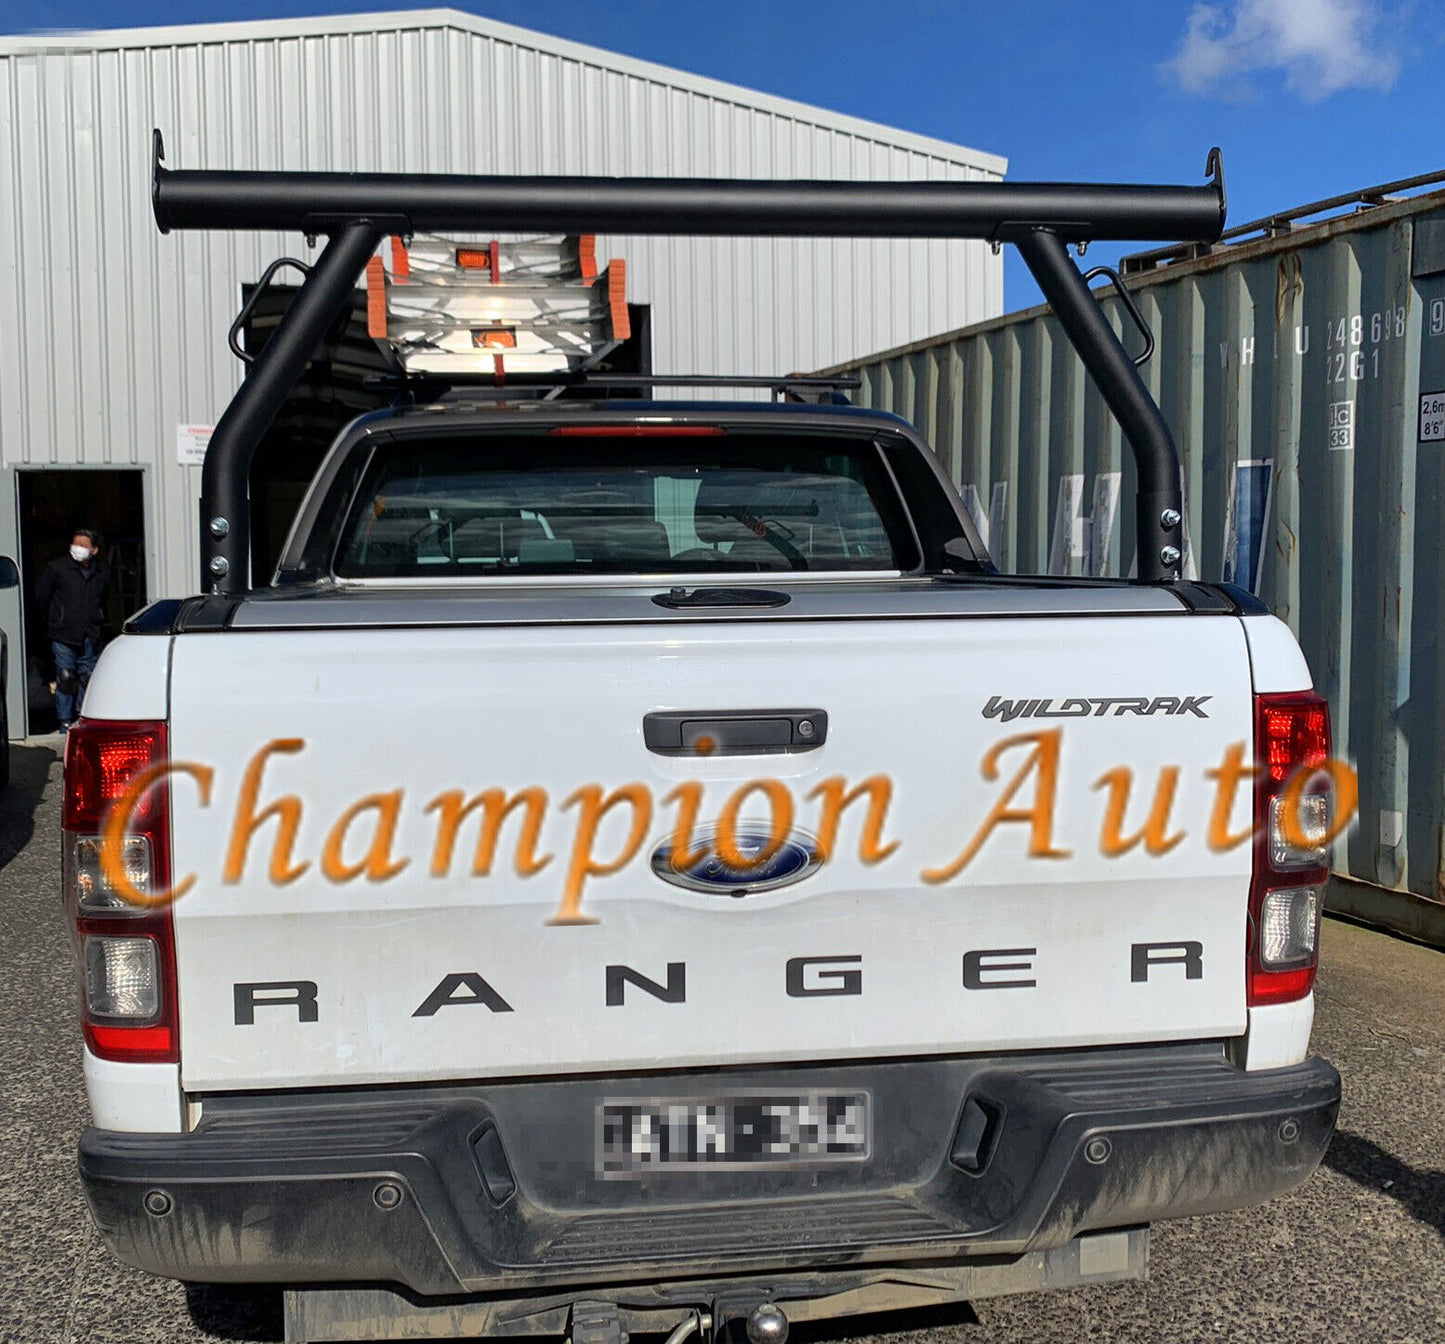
[(763, 1323), (767, 1325), (759, 1322)]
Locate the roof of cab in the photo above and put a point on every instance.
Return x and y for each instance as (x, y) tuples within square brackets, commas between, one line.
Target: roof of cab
[(463, 403)]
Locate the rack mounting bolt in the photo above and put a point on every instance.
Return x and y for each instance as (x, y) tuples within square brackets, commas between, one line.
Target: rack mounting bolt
[(1170, 555), (220, 527), (220, 566), (1170, 518)]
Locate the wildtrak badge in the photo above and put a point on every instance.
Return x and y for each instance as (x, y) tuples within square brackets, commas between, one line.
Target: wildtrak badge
[(1096, 706)]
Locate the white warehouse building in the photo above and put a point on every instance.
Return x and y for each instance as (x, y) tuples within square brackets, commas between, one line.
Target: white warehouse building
[(113, 352)]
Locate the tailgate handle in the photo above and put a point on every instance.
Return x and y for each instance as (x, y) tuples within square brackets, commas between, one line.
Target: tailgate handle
[(733, 732)]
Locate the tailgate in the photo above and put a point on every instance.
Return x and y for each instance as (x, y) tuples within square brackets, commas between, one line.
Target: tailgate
[(326, 979)]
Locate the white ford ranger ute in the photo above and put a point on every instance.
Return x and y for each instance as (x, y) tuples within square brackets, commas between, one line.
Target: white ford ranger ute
[(639, 866)]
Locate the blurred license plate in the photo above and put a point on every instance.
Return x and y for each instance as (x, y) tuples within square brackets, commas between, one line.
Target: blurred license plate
[(665, 1134)]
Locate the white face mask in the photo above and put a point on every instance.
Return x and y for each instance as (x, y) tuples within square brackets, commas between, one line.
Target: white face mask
[(80, 554)]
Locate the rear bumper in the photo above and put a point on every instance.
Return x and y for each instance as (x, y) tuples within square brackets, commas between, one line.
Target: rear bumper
[(491, 1188)]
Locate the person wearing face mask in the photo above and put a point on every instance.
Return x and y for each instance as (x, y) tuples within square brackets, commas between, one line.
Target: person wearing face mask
[(72, 593)]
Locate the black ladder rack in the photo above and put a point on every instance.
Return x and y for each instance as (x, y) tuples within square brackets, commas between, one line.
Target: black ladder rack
[(356, 210)]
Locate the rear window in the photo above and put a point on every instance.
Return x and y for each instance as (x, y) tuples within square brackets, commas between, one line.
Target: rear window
[(605, 503)]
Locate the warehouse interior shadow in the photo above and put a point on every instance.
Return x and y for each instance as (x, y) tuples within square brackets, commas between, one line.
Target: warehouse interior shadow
[(53, 502), (1421, 1192), (29, 772)]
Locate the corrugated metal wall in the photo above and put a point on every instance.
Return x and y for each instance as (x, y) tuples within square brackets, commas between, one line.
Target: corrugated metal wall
[(111, 335), (1292, 372)]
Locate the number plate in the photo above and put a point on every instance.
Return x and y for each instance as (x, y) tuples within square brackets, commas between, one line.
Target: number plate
[(757, 1130)]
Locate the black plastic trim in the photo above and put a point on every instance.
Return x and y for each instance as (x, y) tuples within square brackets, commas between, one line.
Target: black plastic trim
[(1204, 599), (157, 619), (288, 1187), (1245, 602), (205, 614)]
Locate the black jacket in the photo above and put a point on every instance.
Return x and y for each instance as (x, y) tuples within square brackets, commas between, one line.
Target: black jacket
[(73, 597)]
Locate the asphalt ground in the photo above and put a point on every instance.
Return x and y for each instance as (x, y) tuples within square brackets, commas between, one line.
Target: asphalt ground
[(1358, 1253)]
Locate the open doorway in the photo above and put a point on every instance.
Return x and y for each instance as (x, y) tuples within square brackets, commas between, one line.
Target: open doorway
[(52, 504)]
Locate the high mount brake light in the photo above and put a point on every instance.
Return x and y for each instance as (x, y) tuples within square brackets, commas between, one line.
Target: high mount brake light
[(638, 431), (1292, 736), (126, 952)]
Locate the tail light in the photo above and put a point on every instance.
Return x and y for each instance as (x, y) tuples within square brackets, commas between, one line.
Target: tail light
[(126, 951), (1293, 815)]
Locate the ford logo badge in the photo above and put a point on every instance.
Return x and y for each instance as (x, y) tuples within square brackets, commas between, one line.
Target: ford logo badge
[(796, 858)]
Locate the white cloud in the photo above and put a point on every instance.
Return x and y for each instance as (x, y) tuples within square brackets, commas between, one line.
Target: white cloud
[(1322, 47)]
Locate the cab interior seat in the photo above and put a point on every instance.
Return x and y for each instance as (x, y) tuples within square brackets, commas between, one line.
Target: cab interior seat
[(636, 539)]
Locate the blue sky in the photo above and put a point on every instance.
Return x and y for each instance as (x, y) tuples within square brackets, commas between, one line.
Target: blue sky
[(1308, 98)]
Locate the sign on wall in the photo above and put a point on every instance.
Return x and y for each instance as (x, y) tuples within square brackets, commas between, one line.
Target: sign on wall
[(191, 441), (1432, 417)]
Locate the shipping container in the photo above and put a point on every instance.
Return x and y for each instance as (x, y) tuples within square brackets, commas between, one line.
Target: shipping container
[(1301, 367)]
